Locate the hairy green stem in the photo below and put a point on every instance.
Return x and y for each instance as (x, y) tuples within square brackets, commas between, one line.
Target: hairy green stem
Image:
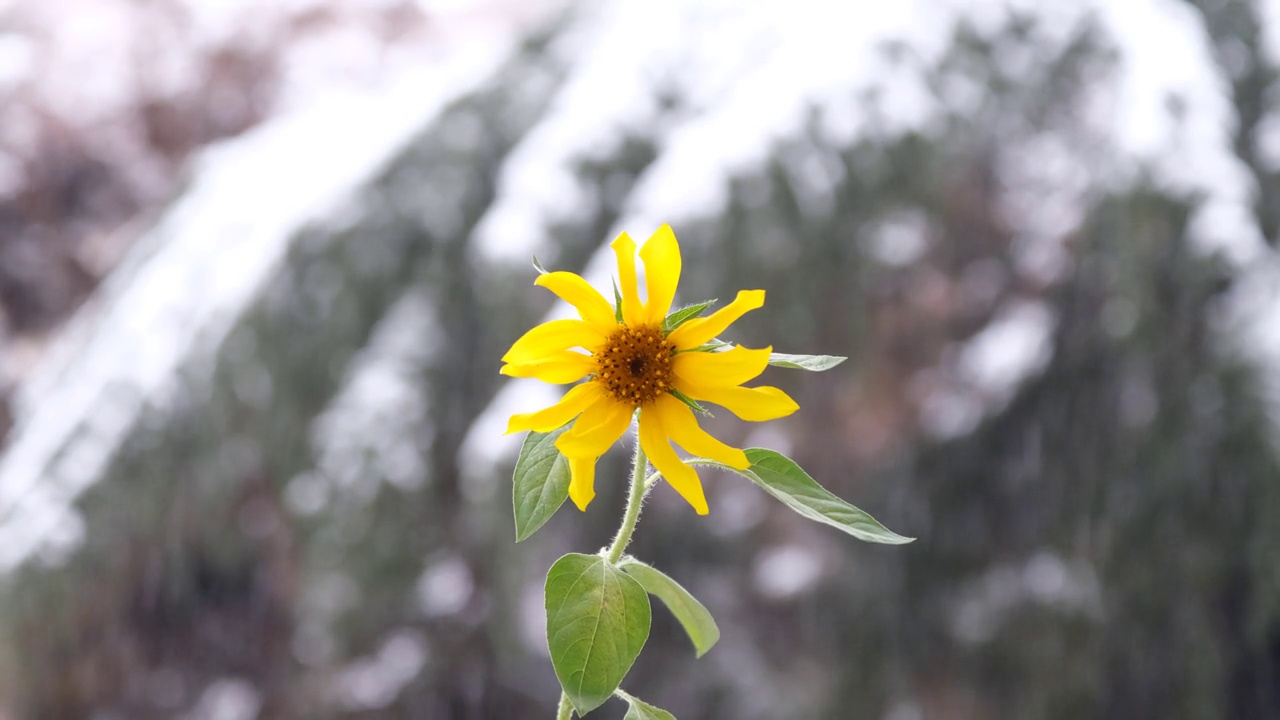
[(636, 498), (653, 479)]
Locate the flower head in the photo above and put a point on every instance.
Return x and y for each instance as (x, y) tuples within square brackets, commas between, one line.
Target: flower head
[(633, 361)]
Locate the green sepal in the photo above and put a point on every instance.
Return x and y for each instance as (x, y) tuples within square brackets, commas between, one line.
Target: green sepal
[(693, 404), (540, 484), (693, 615), (597, 622), (812, 363), (684, 315), (641, 710), (617, 303), (782, 478), (538, 266)]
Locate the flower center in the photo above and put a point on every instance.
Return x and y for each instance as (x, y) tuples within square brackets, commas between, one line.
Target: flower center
[(635, 364)]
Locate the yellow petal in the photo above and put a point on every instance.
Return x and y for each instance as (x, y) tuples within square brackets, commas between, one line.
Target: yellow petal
[(683, 478), (753, 404), (590, 304), (582, 481), (661, 256), (564, 367), (547, 340), (574, 402), (597, 428), (718, 369), (699, 331), (682, 427), (625, 248)]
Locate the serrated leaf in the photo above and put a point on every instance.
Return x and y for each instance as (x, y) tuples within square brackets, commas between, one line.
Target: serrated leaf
[(597, 622), (782, 478), (693, 404), (538, 266), (693, 615), (812, 363), (641, 710), (540, 484), (685, 314)]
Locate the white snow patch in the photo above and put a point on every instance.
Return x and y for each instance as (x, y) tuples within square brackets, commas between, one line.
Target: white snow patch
[(1045, 579), (486, 445), (900, 239), (376, 681), (181, 288), (374, 426), (981, 375), (1251, 322), (445, 587), (741, 80), (1012, 348), (1269, 18), (227, 699), (786, 571), (789, 69), (16, 59), (948, 412), (1173, 113)]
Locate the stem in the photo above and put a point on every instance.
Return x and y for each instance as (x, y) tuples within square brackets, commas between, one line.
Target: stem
[(634, 501)]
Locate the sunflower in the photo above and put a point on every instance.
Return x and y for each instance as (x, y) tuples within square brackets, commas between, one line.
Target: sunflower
[(633, 361)]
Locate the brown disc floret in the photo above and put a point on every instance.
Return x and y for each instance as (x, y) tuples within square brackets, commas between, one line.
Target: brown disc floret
[(635, 364)]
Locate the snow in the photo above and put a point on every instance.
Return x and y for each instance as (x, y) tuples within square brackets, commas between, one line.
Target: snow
[(1066, 586), (486, 446), (1269, 20), (375, 681), (227, 699), (786, 571), (1012, 348), (182, 287), (373, 428), (445, 587), (1167, 63), (743, 77), (741, 80), (16, 60), (746, 77)]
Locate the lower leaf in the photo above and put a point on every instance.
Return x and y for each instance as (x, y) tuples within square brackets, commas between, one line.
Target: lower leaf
[(693, 615), (641, 710), (597, 622)]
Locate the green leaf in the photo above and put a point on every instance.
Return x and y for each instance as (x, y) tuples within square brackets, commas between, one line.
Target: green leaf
[(541, 482), (617, 303), (685, 314), (813, 363), (782, 478), (538, 266), (712, 346), (597, 623), (693, 615), (641, 710), (693, 404)]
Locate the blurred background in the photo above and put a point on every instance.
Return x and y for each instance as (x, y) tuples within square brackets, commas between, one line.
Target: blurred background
[(258, 261)]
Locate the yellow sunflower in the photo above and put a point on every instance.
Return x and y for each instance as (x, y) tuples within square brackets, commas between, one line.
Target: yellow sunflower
[(636, 363)]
